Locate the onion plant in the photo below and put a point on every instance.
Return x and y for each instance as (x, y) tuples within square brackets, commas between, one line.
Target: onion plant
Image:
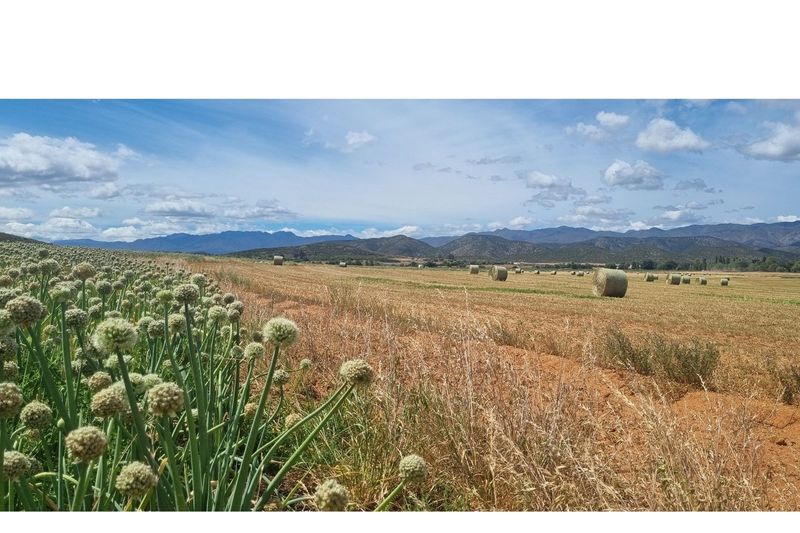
[(128, 385)]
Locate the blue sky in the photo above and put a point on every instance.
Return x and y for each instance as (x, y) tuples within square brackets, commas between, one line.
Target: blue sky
[(121, 170)]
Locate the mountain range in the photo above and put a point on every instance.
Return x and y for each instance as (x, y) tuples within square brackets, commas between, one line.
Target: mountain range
[(493, 248), (213, 243), (559, 244), (778, 235)]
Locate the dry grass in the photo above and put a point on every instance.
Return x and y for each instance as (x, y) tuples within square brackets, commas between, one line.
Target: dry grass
[(500, 387)]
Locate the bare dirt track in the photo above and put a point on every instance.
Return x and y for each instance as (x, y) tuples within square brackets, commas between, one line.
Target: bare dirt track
[(502, 386)]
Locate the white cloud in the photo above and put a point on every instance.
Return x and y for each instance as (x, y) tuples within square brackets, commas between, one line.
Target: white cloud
[(18, 228), (353, 140), (695, 204), (540, 180), (121, 233), (500, 160), (137, 228), (135, 221), (371, 233), (697, 102), (15, 213), (123, 152), (357, 139), (552, 188), (593, 199), (105, 191), (308, 137), (520, 222), (782, 145), (595, 133), (638, 225), (612, 120), (54, 228), (415, 231), (54, 162), (67, 226), (607, 122), (696, 184), (739, 209), (314, 232), (736, 107), (676, 217), (452, 229), (598, 216), (662, 135), (787, 218), (180, 207), (637, 176), (692, 205), (75, 212), (681, 215), (265, 210)]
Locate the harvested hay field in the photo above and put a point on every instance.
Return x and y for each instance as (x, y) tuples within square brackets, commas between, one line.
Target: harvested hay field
[(509, 389)]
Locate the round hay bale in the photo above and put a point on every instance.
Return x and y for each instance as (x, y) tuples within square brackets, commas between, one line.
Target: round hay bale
[(673, 279), (608, 282), (553, 272), (724, 282), (656, 276), (650, 276), (572, 273), (474, 269), (686, 280), (535, 271), (342, 264), (518, 270), (580, 274), (277, 260), (498, 273), (703, 281)]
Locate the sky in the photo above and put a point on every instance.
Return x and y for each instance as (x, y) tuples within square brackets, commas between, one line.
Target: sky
[(122, 170)]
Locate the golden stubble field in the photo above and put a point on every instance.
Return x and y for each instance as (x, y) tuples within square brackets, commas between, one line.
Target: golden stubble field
[(499, 385)]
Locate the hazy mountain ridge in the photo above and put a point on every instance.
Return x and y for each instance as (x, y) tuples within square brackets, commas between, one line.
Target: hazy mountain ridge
[(214, 243), (777, 235), (487, 247), (503, 244), (480, 247), (492, 248)]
